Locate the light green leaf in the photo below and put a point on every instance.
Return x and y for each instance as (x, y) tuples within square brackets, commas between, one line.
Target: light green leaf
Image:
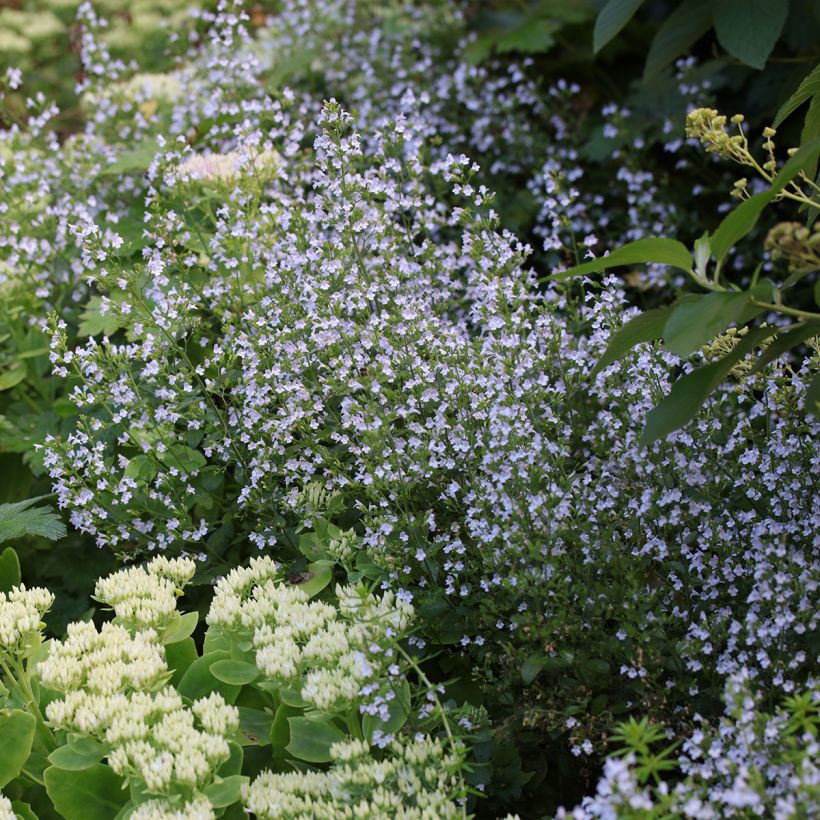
[(650, 249), (749, 29), (181, 628), (280, 728), (137, 159), (197, 682), (316, 577), (236, 672), (13, 376), (95, 323), (677, 34), (398, 710), (16, 736), (9, 570), (697, 321), (95, 793), (225, 791), (79, 754), (19, 519), (311, 738), (255, 726), (179, 656), (612, 18)]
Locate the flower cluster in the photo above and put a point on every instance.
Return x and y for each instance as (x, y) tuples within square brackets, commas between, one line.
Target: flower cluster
[(21, 613), (146, 597), (330, 654), (413, 779)]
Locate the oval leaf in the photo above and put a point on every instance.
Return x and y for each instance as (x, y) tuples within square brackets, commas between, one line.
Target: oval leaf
[(16, 736), (748, 29), (235, 672), (311, 739), (612, 18), (95, 793), (696, 322)]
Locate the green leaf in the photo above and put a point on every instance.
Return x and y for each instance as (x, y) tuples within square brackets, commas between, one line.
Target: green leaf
[(317, 576), (184, 458), (13, 376), (749, 29), (645, 327), (742, 219), (398, 710), (531, 667), (179, 656), (689, 392), (255, 726), (181, 628), (612, 18), (677, 34), (95, 793), (280, 728), (197, 682), (17, 520), (236, 672), (785, 342), (95, 323), (808, 88), (696, 322), (79, 754), (810, 132), (137, 159), (16, 736), (23, 811), (141, 468), (311, 738), (226, 790), (651, 249), (9, 570)]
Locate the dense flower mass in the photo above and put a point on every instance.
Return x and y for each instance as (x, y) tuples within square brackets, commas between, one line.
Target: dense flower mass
[(281, 326)]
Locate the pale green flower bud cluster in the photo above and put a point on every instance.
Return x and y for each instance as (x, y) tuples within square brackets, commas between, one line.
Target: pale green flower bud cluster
[(197, 809), (331, 653), (342, 548), (228, 168), (415, 780), (21, 614), (6, 811), (155, 737), (146, 597)]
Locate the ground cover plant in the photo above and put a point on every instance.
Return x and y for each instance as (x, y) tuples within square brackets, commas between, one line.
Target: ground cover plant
[(401, 417)]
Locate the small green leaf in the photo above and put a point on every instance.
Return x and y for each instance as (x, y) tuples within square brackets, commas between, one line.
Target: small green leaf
[(317, 576), (311, 738), (645, 327), (280, 728), (13, 376), (531, 667), (650, 249), (197, 682), (9, 570), (255, 726), (16, 736), (94, 323), (181, 628), (749, 29), (689, 392), (225, 791), (611, 20), (78, 755), (696, 322), (179, 656), (677, 34), (236, 672), (137, 159), (95, 793), (23, 811), (17, 520)]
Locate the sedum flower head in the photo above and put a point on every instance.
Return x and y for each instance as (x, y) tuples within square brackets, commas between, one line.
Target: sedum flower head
[(6, 811), (414, 780), (227, 168), (145, 597), (103, 663), (21, 613), (197, 809)]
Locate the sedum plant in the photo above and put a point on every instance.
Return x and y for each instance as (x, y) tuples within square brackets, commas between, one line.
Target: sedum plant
[(129, 719)]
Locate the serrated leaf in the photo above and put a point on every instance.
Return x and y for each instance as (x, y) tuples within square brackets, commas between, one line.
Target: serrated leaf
[(696, 322), (808, 88), (749, 29), (645, 327), (650, 249), (611, 20), (20, 519), (677, 34), (689, 392)]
